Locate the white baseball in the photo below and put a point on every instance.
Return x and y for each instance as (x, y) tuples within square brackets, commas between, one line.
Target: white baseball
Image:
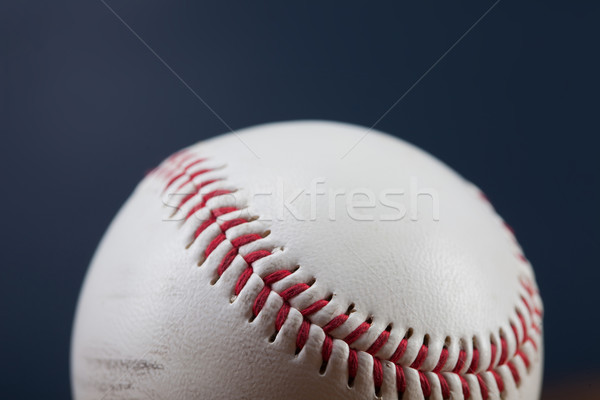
[(265, 264)]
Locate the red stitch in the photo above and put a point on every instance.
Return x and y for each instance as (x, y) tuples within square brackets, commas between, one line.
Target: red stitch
[(444, 387), (377, 373), (474, 362), (203, 226), (522, 257), (334, 323), (527, 305), (191, 178), (276, 276), (528, 287), (530, 339), (256, 255), (399, 350), (195, 162), (352, 363), (355, 334), (503, 351), (524, 358), (196, 174), (442, 361), (194, 209), (179, 175), (514, 330), (260, 301), (523, 325), (187, 198), (214, 193), (465, 387), (214, 243), (173, 179), (379, 342), (482, 387), (460, 363), (302, 335), (400, 379), (293, 291), (420, 357), (494, 350), (197, 189), (314, 307), (425, 385), (282, 316), (231, 223), (499, 381), (514, 372), (227, 260), (327, 348), (245, 239), (242, 280), (217, 212)]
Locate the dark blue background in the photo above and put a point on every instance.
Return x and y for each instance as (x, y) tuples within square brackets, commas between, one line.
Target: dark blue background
[(86, 109)]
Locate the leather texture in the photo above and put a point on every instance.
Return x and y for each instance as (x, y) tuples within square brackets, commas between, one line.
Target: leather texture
[(153, 323)]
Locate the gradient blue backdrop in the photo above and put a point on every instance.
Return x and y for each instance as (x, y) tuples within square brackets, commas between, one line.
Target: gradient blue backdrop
[(86, 109)]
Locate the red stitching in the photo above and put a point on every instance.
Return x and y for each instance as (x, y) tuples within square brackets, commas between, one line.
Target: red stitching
[(293, 291), (302, 335), (358, 332), (400, 379), (172, 174), (314, 307), (197, 188), (226, 261), (276, 276), (182, 173), (352, 363), (442, 361), (514, 372), (399, 350), (255, 255), (420, 357), (499, 381), (335, 323), (503, 351), (379, 343), (230, 224), (377, 373), (445, 388), (482, 387), (260, 300), (327, 348), (245, 239), (242, 280), (282, 316), (462, 357), (425, 385), (465, 387), (474, 362), (213, 244)]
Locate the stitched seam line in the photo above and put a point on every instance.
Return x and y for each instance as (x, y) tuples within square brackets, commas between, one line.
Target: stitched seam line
[(530, 324)]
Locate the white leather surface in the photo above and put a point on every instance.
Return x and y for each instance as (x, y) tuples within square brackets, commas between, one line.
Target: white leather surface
[(150, 324)]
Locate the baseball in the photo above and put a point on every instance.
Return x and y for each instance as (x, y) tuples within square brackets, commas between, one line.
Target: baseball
[(307, 260)]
